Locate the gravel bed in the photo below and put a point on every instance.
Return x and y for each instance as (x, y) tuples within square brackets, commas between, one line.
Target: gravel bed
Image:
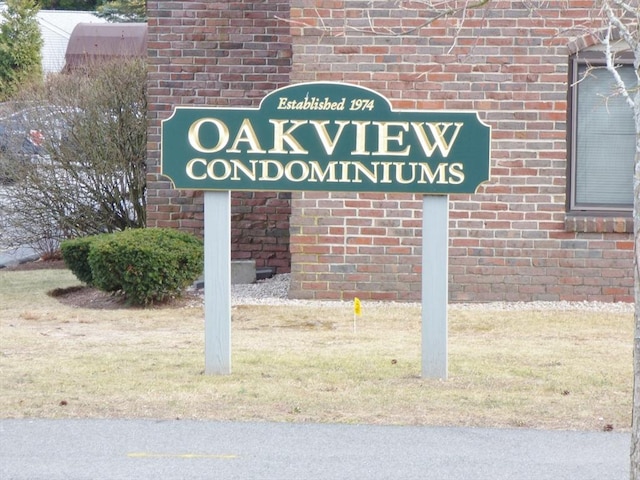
[(272, 291), (275, 290)]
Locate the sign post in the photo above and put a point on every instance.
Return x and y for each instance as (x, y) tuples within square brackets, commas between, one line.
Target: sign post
[(331, 137), (435, 282), (217, 283)]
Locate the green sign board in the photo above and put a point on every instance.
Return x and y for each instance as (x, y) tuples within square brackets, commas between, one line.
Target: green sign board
[(325, 137)]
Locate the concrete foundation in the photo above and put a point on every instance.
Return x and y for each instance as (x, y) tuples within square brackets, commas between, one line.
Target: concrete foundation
[(243, 271)]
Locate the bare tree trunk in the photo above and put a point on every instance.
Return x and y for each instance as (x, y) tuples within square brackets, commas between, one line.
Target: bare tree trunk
[(635, 425), (622, 18)]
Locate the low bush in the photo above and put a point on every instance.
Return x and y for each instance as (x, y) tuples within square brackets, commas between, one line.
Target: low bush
[(75, 253), (147, 265)]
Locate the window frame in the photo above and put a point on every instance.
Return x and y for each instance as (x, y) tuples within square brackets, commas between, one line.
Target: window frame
[(595, 58)]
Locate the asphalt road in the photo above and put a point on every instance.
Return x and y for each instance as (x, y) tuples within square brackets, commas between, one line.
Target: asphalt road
[(167, 450)]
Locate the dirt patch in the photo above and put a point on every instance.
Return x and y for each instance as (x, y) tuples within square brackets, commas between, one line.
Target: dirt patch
[(77, 296), (88, 297), (83, 296)]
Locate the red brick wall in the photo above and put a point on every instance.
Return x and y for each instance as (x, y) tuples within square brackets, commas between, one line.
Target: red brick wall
[(347, 244), (260, 229), (222, 54), (510, 241)]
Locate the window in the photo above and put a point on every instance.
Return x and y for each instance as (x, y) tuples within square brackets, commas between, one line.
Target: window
[(602, 139)]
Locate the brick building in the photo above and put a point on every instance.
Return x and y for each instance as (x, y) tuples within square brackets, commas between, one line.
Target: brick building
[(553, 223)]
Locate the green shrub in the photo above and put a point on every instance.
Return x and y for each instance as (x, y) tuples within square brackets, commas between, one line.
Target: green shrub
[(148, 265), (75, 253), (102, 260)]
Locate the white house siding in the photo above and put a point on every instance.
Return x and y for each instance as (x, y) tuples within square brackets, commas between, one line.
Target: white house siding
[(56, 27)]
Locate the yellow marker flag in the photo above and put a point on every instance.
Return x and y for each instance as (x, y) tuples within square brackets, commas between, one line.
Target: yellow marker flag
[(357, 306)]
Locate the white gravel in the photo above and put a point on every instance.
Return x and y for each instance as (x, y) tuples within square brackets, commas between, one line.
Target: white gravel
[(275, 290), (272, 291)]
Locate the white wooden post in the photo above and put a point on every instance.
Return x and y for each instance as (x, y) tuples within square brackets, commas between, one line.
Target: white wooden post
[(217, 282), (435, 285)]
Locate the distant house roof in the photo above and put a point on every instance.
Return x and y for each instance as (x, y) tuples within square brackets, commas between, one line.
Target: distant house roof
[(95, 42), (56, 27)]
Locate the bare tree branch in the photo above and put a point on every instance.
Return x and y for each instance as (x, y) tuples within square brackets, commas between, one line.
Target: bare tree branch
[(438, 12)]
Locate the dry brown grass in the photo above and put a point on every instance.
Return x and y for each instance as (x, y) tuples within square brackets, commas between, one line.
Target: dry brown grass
[(547, 369)]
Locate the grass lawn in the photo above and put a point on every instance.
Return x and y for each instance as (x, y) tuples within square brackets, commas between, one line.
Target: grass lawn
[(303, 363)]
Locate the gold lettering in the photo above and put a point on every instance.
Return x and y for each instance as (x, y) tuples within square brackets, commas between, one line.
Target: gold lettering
[(266, 177), (328, 143), (425, 170), (194, 135), (438, 130), (344, 178), (361, 137), (386, 172), (189, 168), (280, 137), (399, 172), (211, 169), (246, 133), (384, 138), (456, 170), (360, 168), (288, 171), (316, 173), (250, 173)]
